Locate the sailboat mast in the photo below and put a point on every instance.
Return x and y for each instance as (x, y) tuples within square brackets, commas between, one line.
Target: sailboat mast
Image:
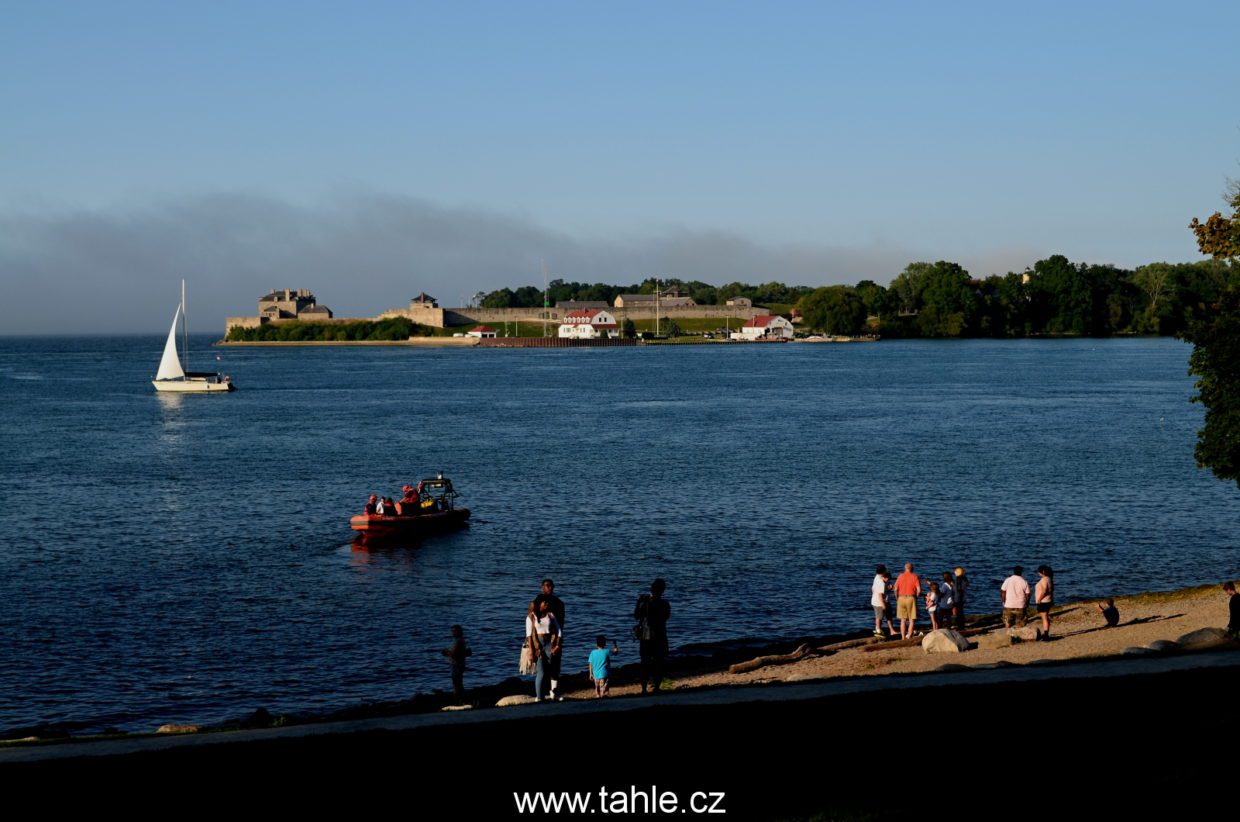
[(185, 329)]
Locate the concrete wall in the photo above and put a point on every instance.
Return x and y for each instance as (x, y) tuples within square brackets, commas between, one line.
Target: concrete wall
[(452, 317)]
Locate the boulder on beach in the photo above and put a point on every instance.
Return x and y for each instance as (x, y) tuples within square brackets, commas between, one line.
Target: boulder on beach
[(993, 642), (515, 699), (1204, 639), (1163, 646), (944, 642), (177, 729)]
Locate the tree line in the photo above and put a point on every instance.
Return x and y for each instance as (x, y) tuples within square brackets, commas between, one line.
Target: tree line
[(393, 328), (702, 293), (941, 299)]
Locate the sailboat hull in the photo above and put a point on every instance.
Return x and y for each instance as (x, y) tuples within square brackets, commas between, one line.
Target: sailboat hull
[(193, 385)]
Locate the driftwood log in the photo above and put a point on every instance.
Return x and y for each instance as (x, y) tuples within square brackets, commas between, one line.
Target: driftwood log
[(775, 659), (803, 652)]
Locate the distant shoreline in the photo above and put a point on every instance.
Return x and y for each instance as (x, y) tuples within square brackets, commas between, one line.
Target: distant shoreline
[(415, 342), (474, 342)]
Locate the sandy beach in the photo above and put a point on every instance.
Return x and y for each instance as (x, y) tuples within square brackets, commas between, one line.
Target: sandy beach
[(1077, 632)]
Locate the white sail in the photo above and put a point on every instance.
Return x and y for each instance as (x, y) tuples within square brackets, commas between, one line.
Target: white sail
[(170, 365)]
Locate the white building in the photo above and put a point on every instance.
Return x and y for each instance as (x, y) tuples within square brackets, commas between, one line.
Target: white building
[(588, 324), (765, 327)]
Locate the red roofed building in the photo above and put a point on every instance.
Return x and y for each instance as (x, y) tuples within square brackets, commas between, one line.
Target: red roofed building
[(481, 331), (588, 323), (765, 327)]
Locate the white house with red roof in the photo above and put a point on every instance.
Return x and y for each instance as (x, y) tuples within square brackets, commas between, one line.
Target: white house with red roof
[(481, 332), (765, 327), (588, 324)]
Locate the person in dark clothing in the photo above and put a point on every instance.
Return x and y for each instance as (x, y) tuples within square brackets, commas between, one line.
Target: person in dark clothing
[(457, 653), (557, 610), (1109, 612), (1233, 610), (370, 504), (652, 612)]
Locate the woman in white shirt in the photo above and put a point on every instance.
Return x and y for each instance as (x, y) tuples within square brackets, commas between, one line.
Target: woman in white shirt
[(544, 642)]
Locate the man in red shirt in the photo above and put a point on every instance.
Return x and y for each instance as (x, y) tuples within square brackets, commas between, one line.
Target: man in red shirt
[(908, 588)]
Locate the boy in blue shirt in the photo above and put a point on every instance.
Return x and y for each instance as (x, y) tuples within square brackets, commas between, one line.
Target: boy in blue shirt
[(600, 664)]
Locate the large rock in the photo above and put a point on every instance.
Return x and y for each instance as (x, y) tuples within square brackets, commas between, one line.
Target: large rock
[(515, 699), (944, 642), (1163, 646), (177, 729), (1205, 639), (993, 642)]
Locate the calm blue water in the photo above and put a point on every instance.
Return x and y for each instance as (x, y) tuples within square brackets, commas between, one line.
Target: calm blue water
[(188, 558)]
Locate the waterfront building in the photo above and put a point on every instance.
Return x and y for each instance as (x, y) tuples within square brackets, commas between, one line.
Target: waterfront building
[(765, 327), (291, 304), (482, 332), (672, 298), (588, 324)]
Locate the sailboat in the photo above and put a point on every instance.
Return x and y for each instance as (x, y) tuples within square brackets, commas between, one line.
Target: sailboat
[(173, 376)]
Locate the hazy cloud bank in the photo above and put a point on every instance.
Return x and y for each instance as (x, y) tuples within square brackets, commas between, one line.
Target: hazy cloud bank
[(118, 270)]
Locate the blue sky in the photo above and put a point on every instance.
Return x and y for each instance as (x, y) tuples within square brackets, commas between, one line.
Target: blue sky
[(369, 150)]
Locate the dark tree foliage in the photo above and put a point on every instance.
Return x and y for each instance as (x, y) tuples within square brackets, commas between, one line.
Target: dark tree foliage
[(393, 328), (1215, 362), (1214, 331), (835, 309)]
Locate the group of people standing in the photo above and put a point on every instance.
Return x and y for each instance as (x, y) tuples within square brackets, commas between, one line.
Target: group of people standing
[(945, 600), (543, 650)]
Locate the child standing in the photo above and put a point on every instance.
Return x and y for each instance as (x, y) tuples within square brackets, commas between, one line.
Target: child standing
[(600, 665), (932, 605), (456, 653)]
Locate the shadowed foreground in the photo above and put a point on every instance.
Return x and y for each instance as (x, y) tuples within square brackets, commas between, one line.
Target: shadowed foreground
[(1108, 739)]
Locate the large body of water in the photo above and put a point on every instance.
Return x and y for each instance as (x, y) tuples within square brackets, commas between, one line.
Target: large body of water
[(174, 558)]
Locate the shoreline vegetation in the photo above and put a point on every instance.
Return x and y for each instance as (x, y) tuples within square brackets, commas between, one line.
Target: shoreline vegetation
[(1053, 298), (1156, 622)]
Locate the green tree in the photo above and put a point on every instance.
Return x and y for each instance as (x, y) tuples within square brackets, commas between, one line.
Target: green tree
[(1215, 361), (503, 298), (948, 301), (1219, 236), (628, 328), (835, 309)]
